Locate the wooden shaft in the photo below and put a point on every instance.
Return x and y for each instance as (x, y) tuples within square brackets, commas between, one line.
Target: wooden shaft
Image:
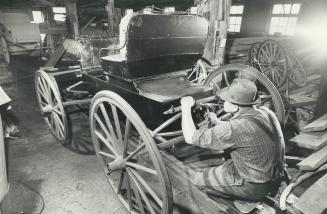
[(77, 102), (171, 142)]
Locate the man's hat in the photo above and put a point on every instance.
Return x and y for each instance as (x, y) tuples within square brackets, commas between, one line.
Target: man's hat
[(241, 92)]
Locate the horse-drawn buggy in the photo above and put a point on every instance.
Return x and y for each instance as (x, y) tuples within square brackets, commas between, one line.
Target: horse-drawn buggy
[(134, 103)]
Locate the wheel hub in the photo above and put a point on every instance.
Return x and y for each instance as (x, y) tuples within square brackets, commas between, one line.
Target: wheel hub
[(118, 164), (47, 109)]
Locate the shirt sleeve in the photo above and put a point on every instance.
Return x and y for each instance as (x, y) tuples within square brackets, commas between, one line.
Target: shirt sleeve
[(216, 138)]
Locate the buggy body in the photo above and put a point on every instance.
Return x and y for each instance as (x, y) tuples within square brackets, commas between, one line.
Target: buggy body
[(133, 103)]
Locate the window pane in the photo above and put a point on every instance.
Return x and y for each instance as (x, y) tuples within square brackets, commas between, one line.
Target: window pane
[(240, 9), (274, 21), (236, 9), (37, 17), (283, 21), (238, 20), (237, 28), (169, 9), (59, 17), (287, 8), (296, 8), (277, 9), (232, 20), (194, 10), (59, 9), (233, 10)]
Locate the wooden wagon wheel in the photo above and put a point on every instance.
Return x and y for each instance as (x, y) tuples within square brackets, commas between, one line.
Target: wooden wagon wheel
[(272, 62), (51, 106), (253, 53), (199, 72), (296, 71), (129, 155), (5, 49), (267, 92)]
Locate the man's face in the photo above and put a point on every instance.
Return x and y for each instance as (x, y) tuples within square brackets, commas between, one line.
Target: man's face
[(230, 107)]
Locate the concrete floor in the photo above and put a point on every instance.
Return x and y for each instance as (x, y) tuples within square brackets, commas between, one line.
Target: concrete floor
[(42, 172)]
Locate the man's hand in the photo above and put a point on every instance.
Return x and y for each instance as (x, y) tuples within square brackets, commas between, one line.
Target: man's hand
[(187, 102), (212, 118)]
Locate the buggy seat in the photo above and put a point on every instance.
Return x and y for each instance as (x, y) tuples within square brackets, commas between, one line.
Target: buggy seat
[(154, 41), (172, 87)]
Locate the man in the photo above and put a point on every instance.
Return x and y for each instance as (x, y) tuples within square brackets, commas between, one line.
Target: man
[(253, 139)]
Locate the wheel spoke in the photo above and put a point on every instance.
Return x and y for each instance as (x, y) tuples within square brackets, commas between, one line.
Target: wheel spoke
[(147, 187), (46, 89), (105, 115), (121, 179), (126, 135), (107, 154), (137, 195), (137, 150), (57, 127), (142, 193), (129, 192), (103, 127), (42, 93), (142, 168), (106, 142), (60, 124), (117, 123), (57, 110)]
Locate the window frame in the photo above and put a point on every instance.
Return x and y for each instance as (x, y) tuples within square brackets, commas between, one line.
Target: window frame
[(231, 29), (284, 15)]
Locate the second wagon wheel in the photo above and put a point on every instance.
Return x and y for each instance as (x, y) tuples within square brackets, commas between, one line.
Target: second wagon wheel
[(4, 49), (129, 155), (296, 71), (272, 62), (51, 106), (199, 72), (267, 92)]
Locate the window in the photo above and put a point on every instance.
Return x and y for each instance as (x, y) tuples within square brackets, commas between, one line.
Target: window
[(284, 19), (37, 17), (59, 14), (194, 10), (235, 18), (169, 9)]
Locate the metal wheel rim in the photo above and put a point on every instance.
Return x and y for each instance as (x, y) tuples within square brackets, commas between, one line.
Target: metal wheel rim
[(275, 96), (98, 104), (296, 71), (272, 62), (5, 50), (51, 105)]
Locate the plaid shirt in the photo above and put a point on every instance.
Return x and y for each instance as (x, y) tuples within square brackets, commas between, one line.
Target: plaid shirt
[(254, 153)]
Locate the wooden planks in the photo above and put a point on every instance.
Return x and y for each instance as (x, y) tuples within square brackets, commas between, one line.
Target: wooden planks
[(314, 161), (318, 125), (301, 100), (313, 200), (313, 141)]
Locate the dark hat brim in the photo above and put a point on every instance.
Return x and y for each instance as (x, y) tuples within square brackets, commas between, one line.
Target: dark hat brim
[(225, 95)]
